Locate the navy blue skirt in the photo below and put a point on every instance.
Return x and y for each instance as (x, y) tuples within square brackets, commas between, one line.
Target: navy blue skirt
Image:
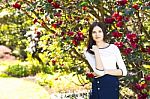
[(105, 87)]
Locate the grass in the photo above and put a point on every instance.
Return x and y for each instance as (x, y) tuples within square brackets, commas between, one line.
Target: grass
[(25, 88), (62, 83)]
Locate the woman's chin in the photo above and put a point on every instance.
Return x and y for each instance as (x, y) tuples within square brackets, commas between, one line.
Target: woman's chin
[(98, 40)]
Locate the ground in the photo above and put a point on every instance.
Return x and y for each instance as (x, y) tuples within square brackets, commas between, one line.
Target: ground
[(15, 88), (20, 88)]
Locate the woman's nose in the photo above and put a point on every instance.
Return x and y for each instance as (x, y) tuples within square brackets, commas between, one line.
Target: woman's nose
[(97, 33)]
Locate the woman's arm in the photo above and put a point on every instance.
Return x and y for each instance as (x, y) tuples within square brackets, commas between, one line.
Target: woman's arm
[(95, 62), (99, 64), (120, 62), (115, 72)]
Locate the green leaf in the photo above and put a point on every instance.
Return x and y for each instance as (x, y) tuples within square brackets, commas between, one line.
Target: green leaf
[(83, 3)]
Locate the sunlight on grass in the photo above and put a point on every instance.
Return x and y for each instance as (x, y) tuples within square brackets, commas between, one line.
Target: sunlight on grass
[(14, 88)]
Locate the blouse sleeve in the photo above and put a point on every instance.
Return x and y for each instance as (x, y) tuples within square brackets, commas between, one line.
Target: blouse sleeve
[(120, 61), (91, 59)]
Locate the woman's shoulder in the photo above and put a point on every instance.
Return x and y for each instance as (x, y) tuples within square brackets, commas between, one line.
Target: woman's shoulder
[(86, 52), (113, 45)]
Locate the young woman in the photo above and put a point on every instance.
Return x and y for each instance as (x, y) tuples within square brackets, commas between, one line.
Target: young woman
[(104, 58)]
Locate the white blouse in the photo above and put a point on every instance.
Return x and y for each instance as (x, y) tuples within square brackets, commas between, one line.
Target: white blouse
[(110, 55)]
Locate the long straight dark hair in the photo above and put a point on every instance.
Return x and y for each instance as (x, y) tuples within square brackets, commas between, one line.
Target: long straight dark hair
[(91, 42)]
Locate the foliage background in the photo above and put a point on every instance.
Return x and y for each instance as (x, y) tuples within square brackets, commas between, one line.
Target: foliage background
[(52, 34)]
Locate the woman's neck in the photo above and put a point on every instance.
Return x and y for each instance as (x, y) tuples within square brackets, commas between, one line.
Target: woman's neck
[(101, 44)]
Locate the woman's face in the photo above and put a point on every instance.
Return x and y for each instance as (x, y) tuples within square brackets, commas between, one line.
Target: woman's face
[(97, 34)]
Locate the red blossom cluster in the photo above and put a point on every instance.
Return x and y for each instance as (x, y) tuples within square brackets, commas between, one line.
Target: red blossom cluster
[(127, 51), (17, 6), (147, 78), (135, 6), (146, 50), (54, 4), (119, 44), (70, 33), (121, 2), (116, 34), (118, 18), (57, 24), (77, 38), (140, 86), (143, 87), (132, 37), (142, 96), (109, 20)]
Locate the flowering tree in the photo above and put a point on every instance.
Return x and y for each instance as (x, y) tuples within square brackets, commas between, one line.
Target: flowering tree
[(64, 31)]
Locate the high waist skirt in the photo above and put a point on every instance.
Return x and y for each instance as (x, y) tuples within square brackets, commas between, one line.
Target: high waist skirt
[(105, 87)]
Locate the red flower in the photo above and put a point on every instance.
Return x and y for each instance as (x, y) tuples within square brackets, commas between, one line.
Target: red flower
[(17, 5), (140, 86), (59, 22), (135, 6), (84, 8), (131, 36), (49, 1), (143, 49), (117, 34), (121, 2), (57, 14), (119, 18), (38, 33), (55, 5), (142, 96), (127, 51), (62, 33), (119, 44), (115, 15), (75, 43), (70, 33), (147, 77), (79, 36), (53, 62), (90, 75), (134, 45), (119, 24), (43, 24), (109, 20), (126, 19), (54, 25), (35, 20)]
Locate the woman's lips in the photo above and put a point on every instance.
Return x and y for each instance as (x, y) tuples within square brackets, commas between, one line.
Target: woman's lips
[(98, 37)]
